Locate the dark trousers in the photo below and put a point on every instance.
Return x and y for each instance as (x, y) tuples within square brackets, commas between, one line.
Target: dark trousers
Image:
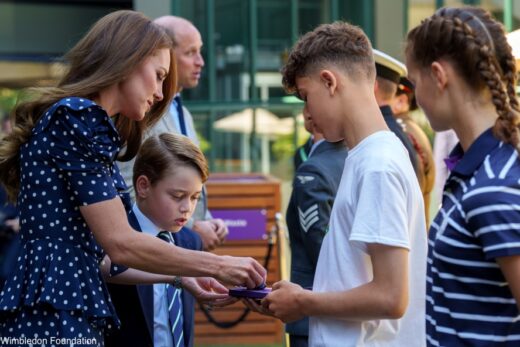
[(298, 341)]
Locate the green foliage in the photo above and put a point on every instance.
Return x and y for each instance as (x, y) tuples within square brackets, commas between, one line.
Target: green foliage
[(283, 147), (205, 146), (8, 99)]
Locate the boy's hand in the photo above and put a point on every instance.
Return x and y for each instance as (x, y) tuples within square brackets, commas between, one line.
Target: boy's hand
[(283, 302), (207, 232), (256, 306), (220, 229)]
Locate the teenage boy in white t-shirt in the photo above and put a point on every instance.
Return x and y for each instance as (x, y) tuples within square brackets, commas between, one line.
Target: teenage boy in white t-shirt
[(369, 288)]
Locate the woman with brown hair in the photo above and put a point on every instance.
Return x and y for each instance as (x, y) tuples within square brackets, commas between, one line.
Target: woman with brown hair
[(59, 164), (465, 77)]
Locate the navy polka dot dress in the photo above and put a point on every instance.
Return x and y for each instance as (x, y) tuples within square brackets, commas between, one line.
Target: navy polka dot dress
[(55, 288)]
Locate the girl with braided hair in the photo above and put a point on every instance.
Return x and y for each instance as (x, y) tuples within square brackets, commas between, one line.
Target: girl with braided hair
[(465, 75)]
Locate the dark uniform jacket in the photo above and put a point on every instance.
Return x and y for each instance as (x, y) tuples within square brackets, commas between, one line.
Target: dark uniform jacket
[(314, 188), (392, 124), (302, 153), (134, 304)]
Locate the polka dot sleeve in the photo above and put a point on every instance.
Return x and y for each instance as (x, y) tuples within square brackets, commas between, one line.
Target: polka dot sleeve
[(83, 145)]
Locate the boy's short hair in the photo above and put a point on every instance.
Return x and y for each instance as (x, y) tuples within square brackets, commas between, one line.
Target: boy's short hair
[(387, 88), (159, 155), (340, 44)]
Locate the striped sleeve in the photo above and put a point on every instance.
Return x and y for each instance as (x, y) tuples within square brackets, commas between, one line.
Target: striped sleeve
[(493, 214)]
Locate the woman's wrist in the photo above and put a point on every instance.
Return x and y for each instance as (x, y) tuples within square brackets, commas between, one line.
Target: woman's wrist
[(177, 282)]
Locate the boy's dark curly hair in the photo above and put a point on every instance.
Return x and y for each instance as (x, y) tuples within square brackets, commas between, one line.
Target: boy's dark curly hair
[(340, 44)]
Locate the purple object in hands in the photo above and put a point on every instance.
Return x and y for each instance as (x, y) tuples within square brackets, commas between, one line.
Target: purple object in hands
[(243, 292)]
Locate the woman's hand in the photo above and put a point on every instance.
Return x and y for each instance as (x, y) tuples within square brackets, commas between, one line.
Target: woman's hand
[(240, 271), (208, 291)]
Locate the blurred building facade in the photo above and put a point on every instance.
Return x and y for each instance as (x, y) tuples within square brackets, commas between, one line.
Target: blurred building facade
[(245, 44)]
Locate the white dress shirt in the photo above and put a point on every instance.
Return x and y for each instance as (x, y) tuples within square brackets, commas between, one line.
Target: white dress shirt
[(162, 336)]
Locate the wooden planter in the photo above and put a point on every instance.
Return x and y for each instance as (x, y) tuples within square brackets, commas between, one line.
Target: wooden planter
[(248, 203)]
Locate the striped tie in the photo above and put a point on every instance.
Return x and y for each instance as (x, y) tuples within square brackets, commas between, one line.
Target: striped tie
[(180, 113), (174, 298)]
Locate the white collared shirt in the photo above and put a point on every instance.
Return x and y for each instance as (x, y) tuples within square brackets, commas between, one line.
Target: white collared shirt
[(162, 336), (190, 133), (314, 146)]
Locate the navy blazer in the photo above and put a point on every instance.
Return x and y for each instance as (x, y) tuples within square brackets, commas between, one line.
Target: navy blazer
[(134, 304), (398, 130), (315, 185), (302, 153)]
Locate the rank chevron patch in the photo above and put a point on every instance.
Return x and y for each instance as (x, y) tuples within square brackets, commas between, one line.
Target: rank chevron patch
[(308, 217), (305, 179)]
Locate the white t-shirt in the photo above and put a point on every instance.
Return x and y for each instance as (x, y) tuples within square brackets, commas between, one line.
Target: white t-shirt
[(378, 201)]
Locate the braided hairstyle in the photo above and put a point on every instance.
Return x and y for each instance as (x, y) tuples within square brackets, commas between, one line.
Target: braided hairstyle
[(476, 45)]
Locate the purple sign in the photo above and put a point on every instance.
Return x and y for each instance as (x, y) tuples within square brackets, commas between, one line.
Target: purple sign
[(243, 224)]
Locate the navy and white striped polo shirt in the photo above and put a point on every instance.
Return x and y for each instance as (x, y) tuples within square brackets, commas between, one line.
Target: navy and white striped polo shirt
[(468, 301)]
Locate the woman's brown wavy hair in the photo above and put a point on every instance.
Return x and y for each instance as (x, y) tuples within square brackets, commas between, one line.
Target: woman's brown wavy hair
[(111, 50)]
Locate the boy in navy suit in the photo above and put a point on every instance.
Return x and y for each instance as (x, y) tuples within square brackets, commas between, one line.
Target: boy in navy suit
[(168, 175)]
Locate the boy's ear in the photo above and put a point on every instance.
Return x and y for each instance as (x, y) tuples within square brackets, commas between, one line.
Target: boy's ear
[(376, 86), (400, 104), (330, 81), (439, 75), (142, 186)]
